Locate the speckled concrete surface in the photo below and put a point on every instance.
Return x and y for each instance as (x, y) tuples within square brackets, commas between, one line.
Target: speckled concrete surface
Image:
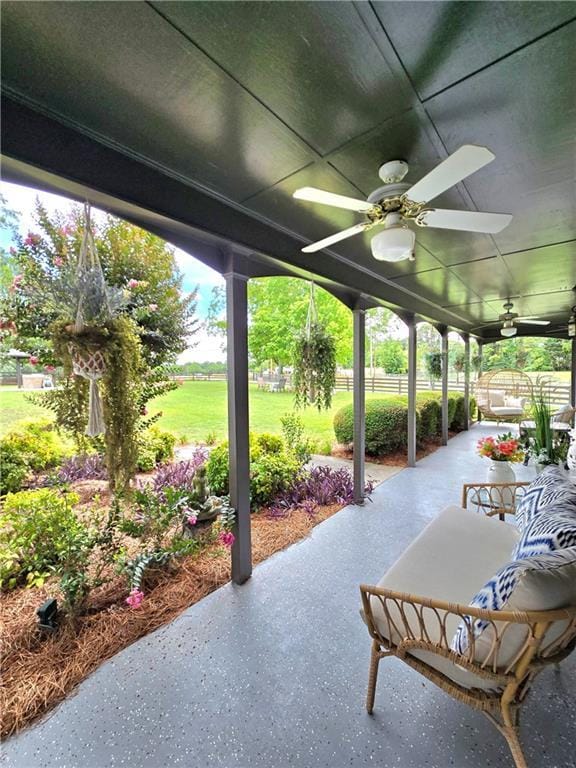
[(274, 673)]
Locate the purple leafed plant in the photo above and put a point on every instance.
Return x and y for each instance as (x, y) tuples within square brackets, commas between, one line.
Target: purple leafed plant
[(318, 487), (88, 466), (180, 474)]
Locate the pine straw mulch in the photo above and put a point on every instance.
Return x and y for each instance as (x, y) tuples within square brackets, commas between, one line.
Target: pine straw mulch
[(397, 459), (39, 671)]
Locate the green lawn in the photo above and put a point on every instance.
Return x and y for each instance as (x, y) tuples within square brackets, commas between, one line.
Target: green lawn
[(198, 408)]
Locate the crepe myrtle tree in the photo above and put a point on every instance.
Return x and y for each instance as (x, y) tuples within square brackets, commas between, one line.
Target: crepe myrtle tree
[(134, 301)]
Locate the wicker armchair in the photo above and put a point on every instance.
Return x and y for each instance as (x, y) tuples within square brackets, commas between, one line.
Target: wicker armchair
[(419, 630)]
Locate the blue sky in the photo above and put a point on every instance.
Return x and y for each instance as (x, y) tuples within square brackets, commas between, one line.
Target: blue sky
[(22, 200)]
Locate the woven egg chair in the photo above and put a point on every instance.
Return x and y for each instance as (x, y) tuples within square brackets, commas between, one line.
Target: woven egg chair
[(503, 395)]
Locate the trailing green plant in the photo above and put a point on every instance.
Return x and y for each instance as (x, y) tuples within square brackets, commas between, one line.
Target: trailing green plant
[(38, 529), (433, 362), (314, 368)]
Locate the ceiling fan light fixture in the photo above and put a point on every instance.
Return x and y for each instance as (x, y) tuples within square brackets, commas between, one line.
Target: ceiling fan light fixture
[(508, 329), (395, 243)]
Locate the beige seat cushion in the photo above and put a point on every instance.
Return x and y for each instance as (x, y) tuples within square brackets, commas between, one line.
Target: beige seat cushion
[(450, 560), (507, 410)]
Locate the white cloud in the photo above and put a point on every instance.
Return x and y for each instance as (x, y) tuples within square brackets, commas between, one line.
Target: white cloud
[(206, 349)]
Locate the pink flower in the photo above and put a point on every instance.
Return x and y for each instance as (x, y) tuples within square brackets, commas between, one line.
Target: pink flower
[(135, 598), (13, 251), (133, 283), (143, 411), (32, 239), (33, 360), (152, 307), (16, 282), (227, 538), (65, 231), (49, 368), (58, 261), (192, 519)]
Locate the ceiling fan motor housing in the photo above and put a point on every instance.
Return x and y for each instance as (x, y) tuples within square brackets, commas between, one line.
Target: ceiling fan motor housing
[(386, 191)]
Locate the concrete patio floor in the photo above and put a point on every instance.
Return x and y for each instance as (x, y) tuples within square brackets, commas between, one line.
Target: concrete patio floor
[(274, 673)]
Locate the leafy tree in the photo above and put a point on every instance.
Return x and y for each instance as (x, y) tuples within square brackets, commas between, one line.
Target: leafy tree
[(392, 356), (150, 326), (278, 307)]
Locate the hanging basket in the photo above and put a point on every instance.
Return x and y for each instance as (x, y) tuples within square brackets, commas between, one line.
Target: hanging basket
[(92, 366)]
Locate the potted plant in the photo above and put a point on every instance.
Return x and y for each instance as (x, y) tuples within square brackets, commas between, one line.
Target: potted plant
[(502, 451), (201, 509), (542, 444)]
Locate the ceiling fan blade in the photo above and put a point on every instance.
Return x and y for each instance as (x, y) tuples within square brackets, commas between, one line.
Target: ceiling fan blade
[(531, 322), (469, 221), (320, 244), (456, 167), (329, 198)]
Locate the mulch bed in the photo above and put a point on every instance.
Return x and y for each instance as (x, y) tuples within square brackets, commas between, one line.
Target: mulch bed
[(397, 459), (39, 671)]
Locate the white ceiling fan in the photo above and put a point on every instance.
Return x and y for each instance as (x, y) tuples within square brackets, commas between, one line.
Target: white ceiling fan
[(510, 319), (396, 203)]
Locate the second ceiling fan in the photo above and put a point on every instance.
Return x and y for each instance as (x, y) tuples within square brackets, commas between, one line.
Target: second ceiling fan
[(396, 203), (509, 320)]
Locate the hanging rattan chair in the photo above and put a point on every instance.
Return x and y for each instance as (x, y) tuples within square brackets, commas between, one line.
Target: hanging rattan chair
[(503, 395)]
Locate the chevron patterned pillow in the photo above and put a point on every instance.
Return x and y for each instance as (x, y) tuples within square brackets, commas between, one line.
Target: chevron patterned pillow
[(551, 487), (538, 583), (552, 529)]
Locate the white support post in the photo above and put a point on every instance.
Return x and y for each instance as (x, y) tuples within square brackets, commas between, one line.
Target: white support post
[(238, 422), (359, 398), (412, 344)]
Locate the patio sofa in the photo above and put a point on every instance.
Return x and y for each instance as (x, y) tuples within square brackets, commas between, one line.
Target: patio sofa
[(479, 605)]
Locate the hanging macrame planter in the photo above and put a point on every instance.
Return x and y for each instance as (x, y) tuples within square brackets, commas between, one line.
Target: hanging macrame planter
[(314, 374), (88, 360)]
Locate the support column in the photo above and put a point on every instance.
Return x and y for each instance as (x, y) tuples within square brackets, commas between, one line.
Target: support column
[(444, 355), (573, 375), (238, 422), (412, 342), (467, 381), (359, 398)]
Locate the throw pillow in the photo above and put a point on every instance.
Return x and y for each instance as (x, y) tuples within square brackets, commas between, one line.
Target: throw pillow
[(554, 528), (539, 583), (553, 486)]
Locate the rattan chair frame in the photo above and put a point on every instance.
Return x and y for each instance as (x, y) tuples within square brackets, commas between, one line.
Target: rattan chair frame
[(514, 383), (409, 617)]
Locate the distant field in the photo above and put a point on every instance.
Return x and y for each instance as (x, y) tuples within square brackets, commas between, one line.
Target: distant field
[(198, 408)]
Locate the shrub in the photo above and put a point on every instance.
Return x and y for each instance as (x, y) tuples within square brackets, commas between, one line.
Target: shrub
[(293, 433), (37, 530), (33, 447), (387, 421), (154, 447), (272, 468)]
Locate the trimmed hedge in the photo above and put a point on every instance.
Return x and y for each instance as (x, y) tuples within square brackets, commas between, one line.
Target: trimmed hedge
[(387, 421)]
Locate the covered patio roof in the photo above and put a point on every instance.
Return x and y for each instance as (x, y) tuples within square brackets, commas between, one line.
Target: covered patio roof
[(198, 121)]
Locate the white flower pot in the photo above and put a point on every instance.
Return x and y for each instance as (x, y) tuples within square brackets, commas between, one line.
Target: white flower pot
[(500, 472)]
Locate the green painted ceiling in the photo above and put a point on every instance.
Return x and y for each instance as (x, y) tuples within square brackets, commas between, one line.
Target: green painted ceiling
[(199, 120)]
